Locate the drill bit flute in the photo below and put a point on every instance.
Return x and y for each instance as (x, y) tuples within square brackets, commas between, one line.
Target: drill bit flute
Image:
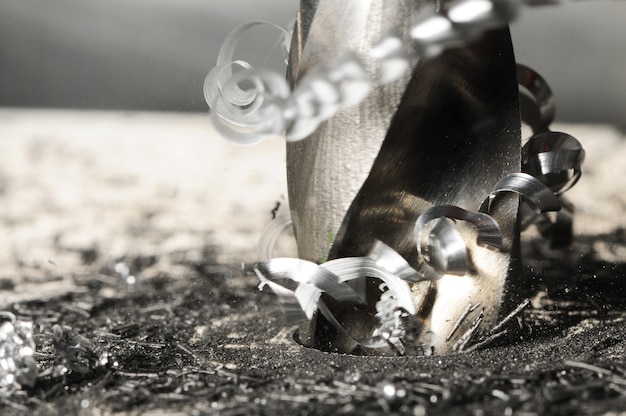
[(404, 174)]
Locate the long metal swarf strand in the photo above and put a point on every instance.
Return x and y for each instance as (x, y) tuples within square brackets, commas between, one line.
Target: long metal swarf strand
[(444, 134)]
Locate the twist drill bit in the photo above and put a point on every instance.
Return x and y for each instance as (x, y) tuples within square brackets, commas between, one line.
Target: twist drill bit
[(443, 134), (408, 183)]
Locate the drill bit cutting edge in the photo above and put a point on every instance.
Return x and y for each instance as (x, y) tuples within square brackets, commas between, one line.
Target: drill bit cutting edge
[(408, 182)]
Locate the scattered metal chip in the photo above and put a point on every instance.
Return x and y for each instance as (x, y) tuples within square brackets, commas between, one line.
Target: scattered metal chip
[(17, 363)]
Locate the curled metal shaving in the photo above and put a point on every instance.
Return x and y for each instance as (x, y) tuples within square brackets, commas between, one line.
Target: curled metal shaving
[(446, 251), (247, 122), (322, 92), (252, 104), (246, 105), (449, 253), (536, 99), (551, 164), (555, 159), (332, 278), (351, 268), (225, 59), (306, 274), (532, 190), (17, 348), (388, 259), (269, 235)]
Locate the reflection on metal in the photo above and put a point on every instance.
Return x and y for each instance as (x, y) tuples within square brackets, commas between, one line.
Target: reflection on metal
[(17, 348), (76, 353), (425, 140), (408, 183), (535, 193), (536, 99), (448, 253), (554, 158), (332, 278)]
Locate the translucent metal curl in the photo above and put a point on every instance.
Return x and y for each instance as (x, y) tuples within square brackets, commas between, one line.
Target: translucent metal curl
[(247, 114), (302, 271), (325, 90), (389, 260), (351, 268), (392, 57), (246, 106), (269, 235)]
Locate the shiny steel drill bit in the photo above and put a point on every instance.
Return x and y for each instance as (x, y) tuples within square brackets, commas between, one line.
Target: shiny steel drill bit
[(408, 184), (443, 134)]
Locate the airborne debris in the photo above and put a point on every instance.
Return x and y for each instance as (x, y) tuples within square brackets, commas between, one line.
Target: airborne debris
[(275, 210)]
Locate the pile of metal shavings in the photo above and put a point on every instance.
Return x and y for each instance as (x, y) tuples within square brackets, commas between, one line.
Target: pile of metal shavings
[(17, 365), (205, 342)]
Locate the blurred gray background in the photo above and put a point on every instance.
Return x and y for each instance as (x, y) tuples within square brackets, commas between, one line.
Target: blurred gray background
[(154, 54)]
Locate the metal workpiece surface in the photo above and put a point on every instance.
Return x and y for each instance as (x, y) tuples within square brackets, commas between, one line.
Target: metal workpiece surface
[(197, 336), (443, 134)]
